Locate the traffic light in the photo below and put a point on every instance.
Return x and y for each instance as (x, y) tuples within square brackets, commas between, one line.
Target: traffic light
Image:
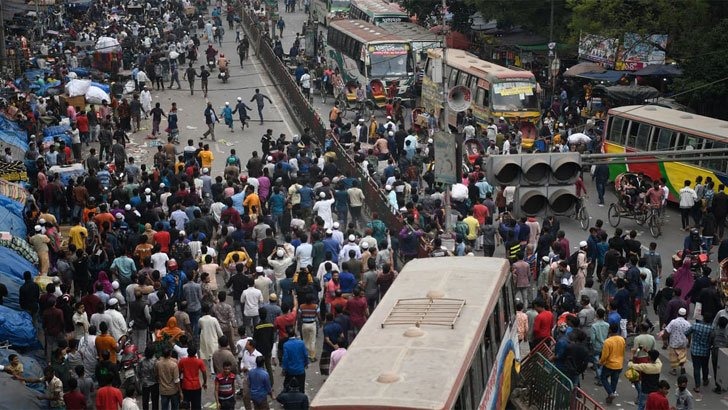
[(544, 182)]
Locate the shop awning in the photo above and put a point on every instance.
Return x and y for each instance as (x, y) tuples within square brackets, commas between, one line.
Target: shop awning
[(611, 76)]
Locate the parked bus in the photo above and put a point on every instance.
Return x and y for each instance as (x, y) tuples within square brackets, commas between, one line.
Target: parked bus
[(442, 337), (327, 10), (422, 39), (377, 12), (496, 91), (634, 128), (366, 54)]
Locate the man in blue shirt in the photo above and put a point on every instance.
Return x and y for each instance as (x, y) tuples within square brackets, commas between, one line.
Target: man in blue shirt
[(332, 245), (295, 359), (260, 387), (347, 281)]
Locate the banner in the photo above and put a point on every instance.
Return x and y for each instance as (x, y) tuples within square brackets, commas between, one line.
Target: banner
[(638, 51), (598, 49)]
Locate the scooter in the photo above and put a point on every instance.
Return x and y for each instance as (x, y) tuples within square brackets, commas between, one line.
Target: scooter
[(129, 358)]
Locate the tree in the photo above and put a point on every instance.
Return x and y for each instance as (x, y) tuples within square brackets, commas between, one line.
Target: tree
[(430, 10), (531, 15)]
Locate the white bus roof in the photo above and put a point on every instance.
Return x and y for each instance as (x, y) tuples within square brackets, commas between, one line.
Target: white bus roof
[(365, 32), (378, 6), (674, 119), (470, 63), (428, 369), (412, 31)]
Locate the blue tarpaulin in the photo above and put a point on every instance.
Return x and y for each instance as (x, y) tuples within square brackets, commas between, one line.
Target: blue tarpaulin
[(11, 218), (32, 367), (12, 134), (12, 267), (17, 328), (104, 87), (55, 130)]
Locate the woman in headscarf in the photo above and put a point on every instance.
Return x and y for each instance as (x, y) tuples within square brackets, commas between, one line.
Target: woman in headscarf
[(103, 279), (172, 332), (684, 278)]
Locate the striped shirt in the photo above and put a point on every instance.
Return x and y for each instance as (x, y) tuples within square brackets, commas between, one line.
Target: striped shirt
[(309, 312)]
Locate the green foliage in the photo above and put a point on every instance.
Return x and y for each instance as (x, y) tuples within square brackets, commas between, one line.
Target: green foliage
[(430, 10), (532, 15)]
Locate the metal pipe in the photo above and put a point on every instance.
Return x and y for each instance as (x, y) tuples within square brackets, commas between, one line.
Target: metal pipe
[(654, 153), (619, 161)]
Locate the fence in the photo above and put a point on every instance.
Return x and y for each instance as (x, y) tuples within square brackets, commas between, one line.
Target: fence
[(546, 387), (306, 117)]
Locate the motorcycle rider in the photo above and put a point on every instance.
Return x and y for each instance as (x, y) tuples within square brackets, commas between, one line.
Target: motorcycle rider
[(222, 65), (211, 52)]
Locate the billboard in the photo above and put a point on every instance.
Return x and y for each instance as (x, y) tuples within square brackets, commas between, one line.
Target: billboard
[(638, 51), (601, 50)]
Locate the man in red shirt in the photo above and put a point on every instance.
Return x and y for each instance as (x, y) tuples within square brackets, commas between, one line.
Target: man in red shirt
[(190, 368), (53, 326), (108, 398), (657, 400), (542, 324), (74, 399), (162, 238), (285, 320), (480, 212)]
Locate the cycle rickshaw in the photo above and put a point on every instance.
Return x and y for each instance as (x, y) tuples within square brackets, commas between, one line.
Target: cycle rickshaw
[(631, 204)]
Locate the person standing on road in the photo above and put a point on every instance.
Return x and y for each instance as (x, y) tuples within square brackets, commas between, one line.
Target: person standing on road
[(210, 120), (157, 113), (190, 75), (611, 360), (259, 99), (688, 197), (601, 176), (306, 83), (174, 75), (204, 75), (281, 25), (242, 110)]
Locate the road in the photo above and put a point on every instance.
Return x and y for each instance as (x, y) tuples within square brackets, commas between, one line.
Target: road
[(243, 83)]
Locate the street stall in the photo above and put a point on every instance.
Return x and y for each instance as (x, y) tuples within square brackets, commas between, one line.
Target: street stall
[(107, 55)]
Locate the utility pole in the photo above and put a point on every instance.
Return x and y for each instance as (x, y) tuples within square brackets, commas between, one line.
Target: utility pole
[(446, 114), (3, 53), (551, 23)]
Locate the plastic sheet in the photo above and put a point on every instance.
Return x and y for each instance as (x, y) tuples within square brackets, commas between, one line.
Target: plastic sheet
[(95, 95), (16, 396), (55, 130), (17, 329), (11, 219), (32, 367), (75, 88)]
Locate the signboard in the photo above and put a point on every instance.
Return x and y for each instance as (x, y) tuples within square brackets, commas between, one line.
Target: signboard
[(389, 49), (513, 88), (638, 51), (446, 160), (598, 49)]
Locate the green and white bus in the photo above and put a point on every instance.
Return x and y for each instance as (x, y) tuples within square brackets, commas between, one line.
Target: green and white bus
[(328, 10), (373, 57), (377, 12)]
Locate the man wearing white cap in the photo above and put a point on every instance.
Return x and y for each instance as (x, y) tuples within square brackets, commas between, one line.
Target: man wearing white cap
[(337, 234), (322, 208), (582, 263), (117, 327), (263, 283), (350, 245), (678, 342), (40, 242), (390, 125)]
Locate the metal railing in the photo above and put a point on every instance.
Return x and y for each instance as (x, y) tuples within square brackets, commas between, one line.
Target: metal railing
[(306, 116), (546, 387), (582, 401)]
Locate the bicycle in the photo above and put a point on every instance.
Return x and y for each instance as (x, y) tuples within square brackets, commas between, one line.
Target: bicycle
[(654, 221), (581, 214)]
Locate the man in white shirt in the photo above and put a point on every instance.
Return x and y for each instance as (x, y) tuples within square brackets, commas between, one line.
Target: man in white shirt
[(304, 253), (337, 234), (687, 201), (322, 208), (117, 325), (344, 253), (391, 124), (306, 83), (251, 299), (159, 262)]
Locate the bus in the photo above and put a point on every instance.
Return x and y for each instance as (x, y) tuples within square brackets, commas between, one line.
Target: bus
[(635, 128), (366, 54), (422, 39), (496, 91), (327, 10), (442, 337), (377, 12)]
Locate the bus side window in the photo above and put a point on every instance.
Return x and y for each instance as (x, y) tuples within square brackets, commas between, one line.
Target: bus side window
[(481, 97), (463, 79), (632, 134), (617, 130), (718, 165), (663, 140), (453, 77), (689, 142), (643, 137)]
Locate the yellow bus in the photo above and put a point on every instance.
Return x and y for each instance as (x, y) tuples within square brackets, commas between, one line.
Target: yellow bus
[(635, 128), (377, 12), (443, 337), (496, 91)]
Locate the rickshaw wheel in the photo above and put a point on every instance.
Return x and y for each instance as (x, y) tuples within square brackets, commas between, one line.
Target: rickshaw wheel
[(613, 215)]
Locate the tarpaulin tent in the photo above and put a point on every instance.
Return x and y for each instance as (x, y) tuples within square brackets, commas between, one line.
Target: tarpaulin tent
[(626, 94), (11, 217), (16, 395), (32, 367), (16, 327), (20, 246), (12, 267), (12, 134)]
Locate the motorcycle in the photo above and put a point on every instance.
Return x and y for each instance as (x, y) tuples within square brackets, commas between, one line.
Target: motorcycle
[(698, 261), (129, 358), (224, 75), (211, 65)]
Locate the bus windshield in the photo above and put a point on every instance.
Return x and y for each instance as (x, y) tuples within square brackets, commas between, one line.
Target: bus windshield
[(514, 96), (390, 60), (338, 5)]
